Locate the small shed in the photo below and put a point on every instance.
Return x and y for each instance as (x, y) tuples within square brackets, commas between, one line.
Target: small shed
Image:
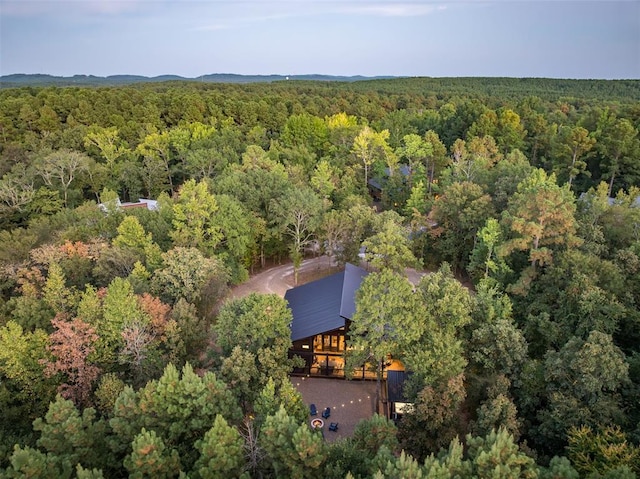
[(398, 404)]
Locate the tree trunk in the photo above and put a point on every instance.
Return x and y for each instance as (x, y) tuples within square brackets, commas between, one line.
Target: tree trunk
[(297, 262), (536, 243), (366, 174), (431, 173), (378, 385), (534, 152), (573, 162), (262, 254), (613, 175)]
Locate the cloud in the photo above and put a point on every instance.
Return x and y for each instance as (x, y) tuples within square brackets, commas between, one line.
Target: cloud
[(214, 27), (392, 9), (258, 11), (31, 8)]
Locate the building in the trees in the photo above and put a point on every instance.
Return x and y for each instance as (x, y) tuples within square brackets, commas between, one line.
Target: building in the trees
[(377, 184), (321, 312), (151, 205), (398, 404)]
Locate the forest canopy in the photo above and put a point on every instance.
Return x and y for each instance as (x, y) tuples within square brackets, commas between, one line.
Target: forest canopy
[(122, 354)]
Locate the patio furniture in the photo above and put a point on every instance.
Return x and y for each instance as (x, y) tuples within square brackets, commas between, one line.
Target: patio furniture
[(312, 410), (326, 413), (333, 426)]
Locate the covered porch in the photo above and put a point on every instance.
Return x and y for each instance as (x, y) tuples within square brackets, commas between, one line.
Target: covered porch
[(323, 355)]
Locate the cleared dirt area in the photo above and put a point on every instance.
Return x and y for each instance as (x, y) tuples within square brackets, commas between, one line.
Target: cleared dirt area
[(278, 279)]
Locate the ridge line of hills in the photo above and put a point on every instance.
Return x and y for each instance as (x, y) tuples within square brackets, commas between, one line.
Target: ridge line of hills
[(512, 87), (25, 79)]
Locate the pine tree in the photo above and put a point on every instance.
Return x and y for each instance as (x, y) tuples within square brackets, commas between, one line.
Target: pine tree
[(73, 437), (294, 449), (151, 458), (221, 452)]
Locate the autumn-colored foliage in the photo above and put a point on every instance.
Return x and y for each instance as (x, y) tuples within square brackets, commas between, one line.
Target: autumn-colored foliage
[(70, 345)]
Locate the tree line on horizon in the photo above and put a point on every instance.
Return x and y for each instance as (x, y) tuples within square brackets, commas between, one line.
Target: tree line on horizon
[(119, 354)]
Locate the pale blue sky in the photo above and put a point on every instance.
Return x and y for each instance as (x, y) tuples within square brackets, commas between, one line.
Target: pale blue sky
[(552, 38)]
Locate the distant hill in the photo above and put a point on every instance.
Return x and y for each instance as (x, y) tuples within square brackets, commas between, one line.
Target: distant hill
[(21, 79), (552, 89)]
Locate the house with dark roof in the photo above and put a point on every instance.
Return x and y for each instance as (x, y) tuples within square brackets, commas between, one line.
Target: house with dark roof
[(151, 205), (376, 184), (322, 311)]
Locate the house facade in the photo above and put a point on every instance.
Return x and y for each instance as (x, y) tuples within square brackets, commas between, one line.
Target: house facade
[(322, 311)]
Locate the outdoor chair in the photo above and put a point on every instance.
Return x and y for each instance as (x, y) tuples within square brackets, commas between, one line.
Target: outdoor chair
[(312, 410), (333, 426), (326, 413)]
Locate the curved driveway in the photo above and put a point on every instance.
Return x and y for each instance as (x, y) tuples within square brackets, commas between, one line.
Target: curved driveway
[(278, 279)]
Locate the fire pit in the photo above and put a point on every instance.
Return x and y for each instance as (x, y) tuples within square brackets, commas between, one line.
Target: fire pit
[(317, 423)]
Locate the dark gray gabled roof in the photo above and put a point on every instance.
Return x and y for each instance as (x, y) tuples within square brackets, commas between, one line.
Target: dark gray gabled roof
[(323, 305), (376, 182), (353, 277)]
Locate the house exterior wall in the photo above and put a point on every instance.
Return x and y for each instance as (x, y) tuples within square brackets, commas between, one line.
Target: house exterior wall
[(324, 356)]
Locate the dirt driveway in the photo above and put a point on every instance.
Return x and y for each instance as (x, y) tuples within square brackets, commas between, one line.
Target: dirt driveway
[(279, 279)]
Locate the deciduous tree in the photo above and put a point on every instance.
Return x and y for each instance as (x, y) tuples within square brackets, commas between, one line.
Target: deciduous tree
[(435, 419), (498, 411), (541, 217), (485, 260), (617, 142), (55, 293), (437, 159), (581, 384), (253, 322), (570, 147), (389, 248), (25, 391), (460, 212), (370, 146), (16, 190), (496, 345), (156, 151), (299, 216), (71, 344), (415, 149), (194, 218), (187, 273), (61, 168)]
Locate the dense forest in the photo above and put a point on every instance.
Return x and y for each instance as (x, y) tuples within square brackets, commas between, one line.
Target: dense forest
[(119, 355)]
